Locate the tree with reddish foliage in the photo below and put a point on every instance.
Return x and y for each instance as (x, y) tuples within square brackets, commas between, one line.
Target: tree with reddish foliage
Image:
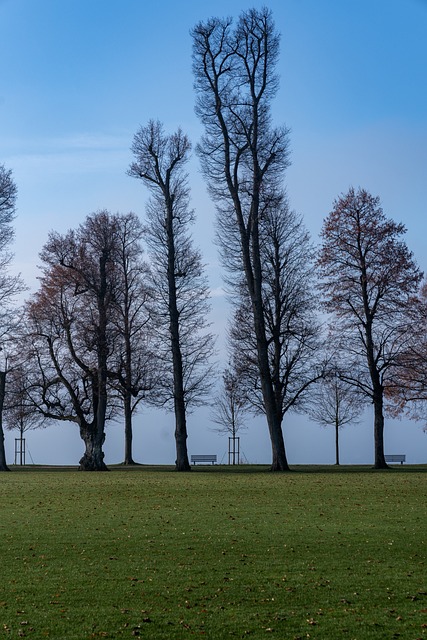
[(84, 347), (369, 282), (409, 393), (70, 334)]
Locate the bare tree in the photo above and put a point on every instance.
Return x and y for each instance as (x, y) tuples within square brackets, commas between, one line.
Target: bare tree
[(19, 412), (10, 285), (3, 463), (133, 362), (333, 402), (369, 280), (181, 293), (289, 309), (229, 408), (243, 158), (8, 194)]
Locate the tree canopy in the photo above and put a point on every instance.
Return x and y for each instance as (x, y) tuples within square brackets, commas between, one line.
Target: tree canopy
[(369, 279)]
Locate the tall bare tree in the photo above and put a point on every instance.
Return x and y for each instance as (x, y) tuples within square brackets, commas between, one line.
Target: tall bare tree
[(132, 363), (10, 285), (243, 159), (369, 281), (180, 288)]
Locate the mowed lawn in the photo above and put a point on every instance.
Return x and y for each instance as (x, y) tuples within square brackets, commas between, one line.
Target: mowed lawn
[(317, 553)]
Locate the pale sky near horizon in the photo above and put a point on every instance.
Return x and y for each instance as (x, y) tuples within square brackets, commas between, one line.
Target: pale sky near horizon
[(80, 76)]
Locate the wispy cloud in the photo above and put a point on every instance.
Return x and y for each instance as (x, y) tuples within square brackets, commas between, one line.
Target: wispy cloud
[(74, 154), (75, 141)]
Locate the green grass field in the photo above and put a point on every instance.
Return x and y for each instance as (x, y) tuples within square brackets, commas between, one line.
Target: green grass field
[(319, 553)]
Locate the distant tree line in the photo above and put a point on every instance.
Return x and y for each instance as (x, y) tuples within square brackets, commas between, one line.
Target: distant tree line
[(121, 314)]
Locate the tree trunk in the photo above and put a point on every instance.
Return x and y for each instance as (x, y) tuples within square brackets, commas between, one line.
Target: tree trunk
[(128, 429), (380, 462), (3, 465), (337, 446), (93, 458), (377, 388), (254, 278), (181, 462), (279, 460), (94, 437), (378, 402)]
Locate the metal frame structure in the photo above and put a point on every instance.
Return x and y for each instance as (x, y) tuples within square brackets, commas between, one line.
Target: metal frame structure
[(233, 450), (20, 451)]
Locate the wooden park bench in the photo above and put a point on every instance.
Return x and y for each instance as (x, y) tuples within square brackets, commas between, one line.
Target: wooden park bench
[(396, 457), (204, 458)]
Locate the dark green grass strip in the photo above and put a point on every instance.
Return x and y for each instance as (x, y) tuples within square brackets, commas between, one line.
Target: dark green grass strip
[(320, 553)]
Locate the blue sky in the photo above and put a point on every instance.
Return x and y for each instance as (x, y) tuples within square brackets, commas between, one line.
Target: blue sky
[(80, 76)]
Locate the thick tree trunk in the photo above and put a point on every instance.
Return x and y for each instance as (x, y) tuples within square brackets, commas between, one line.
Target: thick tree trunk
[(377, 388), (93, 458), (279, 460), (128, 430), (93, 434), (378, 402), (3, 465), (181, 462), (380, 462), (254, 278), (272, 411)]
